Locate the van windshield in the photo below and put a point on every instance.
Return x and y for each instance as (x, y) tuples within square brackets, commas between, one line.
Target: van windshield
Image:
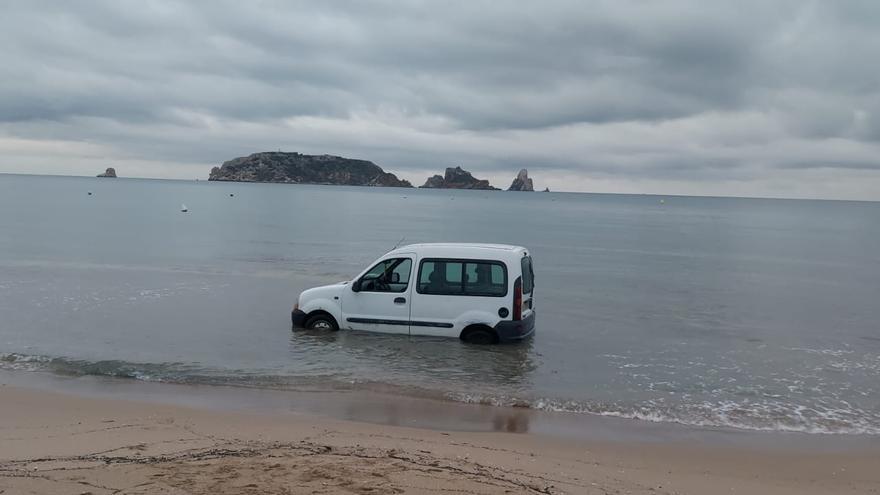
[(528, 275)]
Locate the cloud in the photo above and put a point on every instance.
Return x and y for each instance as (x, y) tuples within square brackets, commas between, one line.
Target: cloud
[(673, 96)]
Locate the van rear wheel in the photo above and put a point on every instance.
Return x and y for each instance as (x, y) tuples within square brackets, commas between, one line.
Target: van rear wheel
[(321, 322), (480, 336)]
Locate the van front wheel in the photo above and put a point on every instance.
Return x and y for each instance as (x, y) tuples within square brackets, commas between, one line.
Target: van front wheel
[(479, 335), (321, 322)]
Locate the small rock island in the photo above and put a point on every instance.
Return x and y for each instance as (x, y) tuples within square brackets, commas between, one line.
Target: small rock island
[(522, 182), (457, 178), (110, 172), (297, 168)]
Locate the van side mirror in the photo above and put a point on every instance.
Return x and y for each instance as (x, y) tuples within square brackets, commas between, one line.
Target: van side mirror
[(356, 285)]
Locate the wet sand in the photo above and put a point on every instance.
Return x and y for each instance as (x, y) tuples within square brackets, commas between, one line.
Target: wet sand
[(56, 443)]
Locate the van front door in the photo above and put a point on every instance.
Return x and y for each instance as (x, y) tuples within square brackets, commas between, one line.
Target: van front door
[(379, 301)]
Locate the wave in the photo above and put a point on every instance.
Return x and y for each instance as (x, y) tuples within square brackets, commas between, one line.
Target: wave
[(174, 373), (766, 414)]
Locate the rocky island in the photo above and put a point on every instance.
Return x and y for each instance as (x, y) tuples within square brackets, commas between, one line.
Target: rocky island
[(297, 168), (522, 182), (110, 172), (457, 178)]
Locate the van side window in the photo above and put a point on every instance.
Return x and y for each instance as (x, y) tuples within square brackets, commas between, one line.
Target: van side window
[(388, 276), (452, 277), (485, 279), (440, 277)]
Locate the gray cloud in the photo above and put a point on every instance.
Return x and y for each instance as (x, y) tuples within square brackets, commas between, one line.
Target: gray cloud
[(641, 96)]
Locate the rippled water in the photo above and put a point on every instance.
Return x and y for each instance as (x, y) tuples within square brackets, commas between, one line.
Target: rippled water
[(758, 314)]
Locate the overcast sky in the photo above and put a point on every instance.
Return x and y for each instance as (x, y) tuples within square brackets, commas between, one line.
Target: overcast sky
[(759, 98)]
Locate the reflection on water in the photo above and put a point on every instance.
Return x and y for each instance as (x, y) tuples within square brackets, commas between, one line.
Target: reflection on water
[(511, 422), (413, 412)]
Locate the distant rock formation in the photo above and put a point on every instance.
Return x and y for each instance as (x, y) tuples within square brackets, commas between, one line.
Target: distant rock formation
[(435, 182), (296, 168), (110, 172), (522, 182), (456, 178)]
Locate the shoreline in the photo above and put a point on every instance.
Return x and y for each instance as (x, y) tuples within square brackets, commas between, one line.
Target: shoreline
[(390, 409), (60, 442)]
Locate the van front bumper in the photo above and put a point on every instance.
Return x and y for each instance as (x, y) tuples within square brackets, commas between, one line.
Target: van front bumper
[(298, 318), (513, 331)]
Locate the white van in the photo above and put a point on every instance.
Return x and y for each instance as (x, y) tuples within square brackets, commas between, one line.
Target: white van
[(480, 293)]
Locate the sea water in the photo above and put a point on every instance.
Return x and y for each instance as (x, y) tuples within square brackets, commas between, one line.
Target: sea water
[(747, 313)]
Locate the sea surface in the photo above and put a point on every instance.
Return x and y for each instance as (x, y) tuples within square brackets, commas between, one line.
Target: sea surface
[(745, 313)]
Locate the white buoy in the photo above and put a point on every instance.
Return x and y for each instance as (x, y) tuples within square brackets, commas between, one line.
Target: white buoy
[(183, 208)]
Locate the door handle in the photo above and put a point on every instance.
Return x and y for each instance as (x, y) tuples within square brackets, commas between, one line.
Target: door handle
[(399, 300)]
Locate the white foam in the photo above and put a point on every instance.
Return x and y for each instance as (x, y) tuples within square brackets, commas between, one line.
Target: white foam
[(770, 415)]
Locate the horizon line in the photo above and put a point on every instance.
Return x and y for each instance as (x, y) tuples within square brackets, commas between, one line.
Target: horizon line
[(659, 195)]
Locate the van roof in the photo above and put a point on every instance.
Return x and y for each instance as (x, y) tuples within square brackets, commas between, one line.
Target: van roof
[(460, 248)]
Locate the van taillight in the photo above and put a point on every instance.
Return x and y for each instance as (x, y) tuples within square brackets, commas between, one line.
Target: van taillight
[(517, 299)]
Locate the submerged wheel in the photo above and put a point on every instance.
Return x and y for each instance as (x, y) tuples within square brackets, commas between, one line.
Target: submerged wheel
[(480, 336), (321, 322)]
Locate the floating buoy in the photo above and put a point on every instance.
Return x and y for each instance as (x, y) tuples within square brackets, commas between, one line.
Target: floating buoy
[(90, 193), (231, 195), (183, 208), (662, 201)]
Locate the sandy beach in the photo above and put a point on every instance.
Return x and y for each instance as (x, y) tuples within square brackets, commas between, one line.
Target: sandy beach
[(55, 443)]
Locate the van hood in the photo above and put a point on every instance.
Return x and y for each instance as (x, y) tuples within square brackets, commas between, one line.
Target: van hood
[(322, 292)]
